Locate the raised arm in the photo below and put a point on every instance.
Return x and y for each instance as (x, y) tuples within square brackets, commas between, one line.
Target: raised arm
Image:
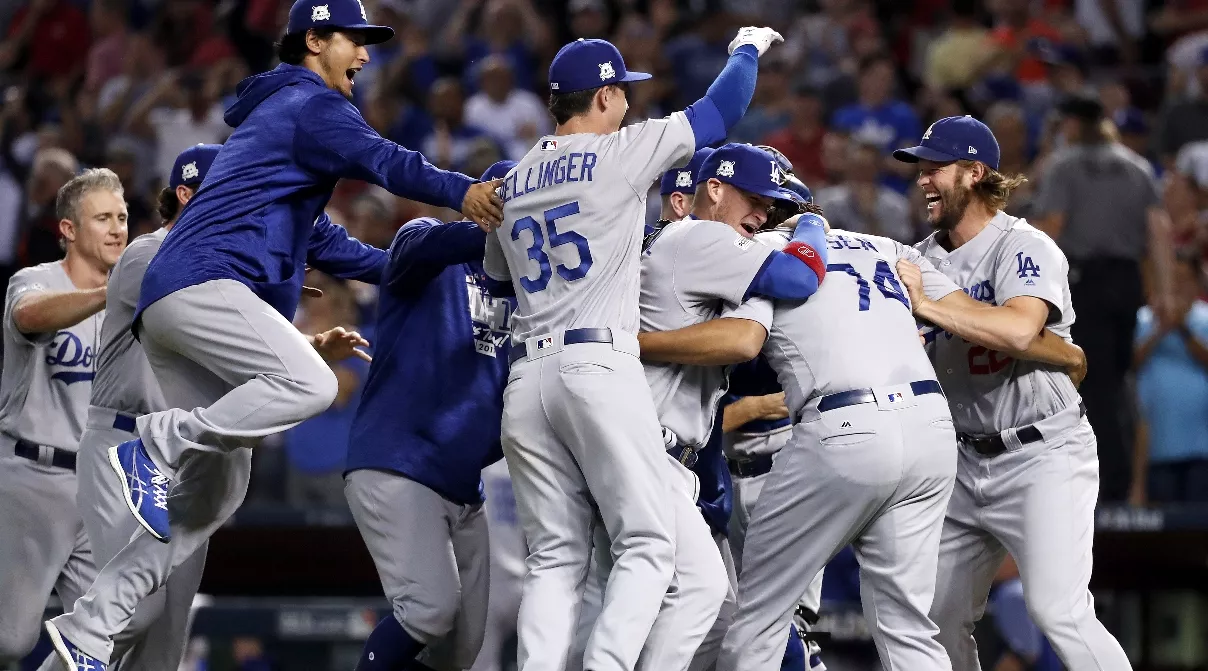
[(726, 101)]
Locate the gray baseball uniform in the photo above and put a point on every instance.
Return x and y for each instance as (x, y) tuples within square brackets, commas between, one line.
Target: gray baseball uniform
[(570, 243), (871, 461), (44, 392), (1037, 499), (124, 389), (691, 271)]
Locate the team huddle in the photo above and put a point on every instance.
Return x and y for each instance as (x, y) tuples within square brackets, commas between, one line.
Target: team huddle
[(696, 416)]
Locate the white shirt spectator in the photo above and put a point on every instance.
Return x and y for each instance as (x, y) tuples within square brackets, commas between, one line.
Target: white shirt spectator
[(516, 123), (176, 131)]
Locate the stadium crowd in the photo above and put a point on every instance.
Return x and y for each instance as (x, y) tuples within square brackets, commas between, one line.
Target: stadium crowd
[(1102, 104)]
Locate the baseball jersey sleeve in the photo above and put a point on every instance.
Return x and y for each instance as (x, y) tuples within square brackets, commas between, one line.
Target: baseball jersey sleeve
[(756, 309), (494, 263), (1031, 264), (714, 261), (646, 150), (935, 284), (126, 280), (23, 283)]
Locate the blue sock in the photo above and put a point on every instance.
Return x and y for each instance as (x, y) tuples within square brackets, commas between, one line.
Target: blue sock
[(794, 654), (389, 648)]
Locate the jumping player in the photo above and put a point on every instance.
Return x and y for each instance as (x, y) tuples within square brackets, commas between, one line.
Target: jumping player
[(1028, 472), (570, 244), (52, 323), (413, 475)]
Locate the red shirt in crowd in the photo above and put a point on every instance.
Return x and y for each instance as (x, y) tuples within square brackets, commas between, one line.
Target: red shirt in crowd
[(60, 40), (804, 153), (1031, 69)]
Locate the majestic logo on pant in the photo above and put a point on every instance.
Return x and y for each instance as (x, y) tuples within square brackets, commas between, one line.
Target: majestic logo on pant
[(66, 350)]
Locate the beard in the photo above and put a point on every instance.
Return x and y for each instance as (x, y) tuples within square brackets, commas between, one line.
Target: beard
[(953, 203)]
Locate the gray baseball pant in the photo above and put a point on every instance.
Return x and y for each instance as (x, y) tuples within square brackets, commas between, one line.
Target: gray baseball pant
[(44, 547), (877, 476), (433, 558), (1036, 501)]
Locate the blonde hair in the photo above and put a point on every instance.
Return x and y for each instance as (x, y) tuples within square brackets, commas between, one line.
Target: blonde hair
[(994, 189)]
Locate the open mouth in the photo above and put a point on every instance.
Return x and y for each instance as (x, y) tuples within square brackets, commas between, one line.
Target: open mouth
[(933, 201), (751, 229), (351, 73)]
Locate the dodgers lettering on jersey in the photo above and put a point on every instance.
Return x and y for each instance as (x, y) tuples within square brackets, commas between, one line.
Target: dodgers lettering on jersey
[(47, 377), (573, 222), (124, 379), (989, 391), (858, 330), (691, 271)]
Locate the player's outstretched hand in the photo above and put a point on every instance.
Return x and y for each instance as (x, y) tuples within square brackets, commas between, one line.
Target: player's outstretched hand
[(339, 344), (483, 205), (760, 38), (912, 277)]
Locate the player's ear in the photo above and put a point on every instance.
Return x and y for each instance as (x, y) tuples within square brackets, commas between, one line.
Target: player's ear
[(314, 43), (67, 230), (183, 194)]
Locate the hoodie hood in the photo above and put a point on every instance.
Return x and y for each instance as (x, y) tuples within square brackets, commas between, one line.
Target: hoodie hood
[(256, 89)]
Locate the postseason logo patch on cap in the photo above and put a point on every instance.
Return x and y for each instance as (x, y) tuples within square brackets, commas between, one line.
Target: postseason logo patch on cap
[(321, 13), (683, 178), (189, 171), (606, 71), (726, 169)]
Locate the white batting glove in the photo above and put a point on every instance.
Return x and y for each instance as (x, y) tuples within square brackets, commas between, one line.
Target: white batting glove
[(760, 38)]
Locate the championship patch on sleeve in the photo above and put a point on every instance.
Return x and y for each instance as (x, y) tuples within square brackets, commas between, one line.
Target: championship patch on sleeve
[(743, 242)]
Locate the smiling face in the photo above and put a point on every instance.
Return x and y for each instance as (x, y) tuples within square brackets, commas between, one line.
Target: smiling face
[(338, 58), (948, 188), (743, 211), (98, 232)]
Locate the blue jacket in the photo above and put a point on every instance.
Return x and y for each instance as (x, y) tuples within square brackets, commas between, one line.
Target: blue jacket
[(433, 403), (254, 218)]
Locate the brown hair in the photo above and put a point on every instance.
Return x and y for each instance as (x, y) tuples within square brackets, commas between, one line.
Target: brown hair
[(993, 190), (167, 204)]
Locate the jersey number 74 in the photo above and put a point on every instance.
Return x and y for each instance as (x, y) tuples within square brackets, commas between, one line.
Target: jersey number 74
[(536, 251)]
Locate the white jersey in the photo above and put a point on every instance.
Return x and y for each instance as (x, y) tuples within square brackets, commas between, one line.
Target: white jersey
[(573, 217), (990, 392), (124, 380), (857, 331), (692, 270), (47, 377)]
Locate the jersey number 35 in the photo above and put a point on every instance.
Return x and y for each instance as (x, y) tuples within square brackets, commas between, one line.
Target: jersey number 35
[(537, 252)]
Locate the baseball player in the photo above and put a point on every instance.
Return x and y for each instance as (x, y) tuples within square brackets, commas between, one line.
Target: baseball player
[(413, 479), (52, 323), (124, 389), (677, 188), (570, 241), (691, 270), (1028, 475), (214, 310)]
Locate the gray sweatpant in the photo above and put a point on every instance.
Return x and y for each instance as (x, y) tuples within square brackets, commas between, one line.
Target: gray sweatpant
[(433, 557), (155, 637), (1038, 502), (43, 547), (878, 477), (220, 329)]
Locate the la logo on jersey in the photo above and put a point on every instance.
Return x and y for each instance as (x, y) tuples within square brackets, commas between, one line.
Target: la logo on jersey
[(606, 71), (69, 360), (320, 13), (1026, 268), (490, 317)]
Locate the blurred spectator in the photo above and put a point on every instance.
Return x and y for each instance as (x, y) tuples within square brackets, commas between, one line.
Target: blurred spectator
[(52, 168), (770, 108), (1022, 38), (105, 58), (1134, 134), (822, 43), (248, 654), (801, 140), (1171, 355), (181, 111), (514, 117), (122, 159), (958, 57), (1067, 71), (180, 27), (1185, 120), (879, 118), (1010, 127), (318, 447), (452, 140), (588, 19), (862, 204), (512, 29), (49, 39), (1113, 28), (403, 64), (697, 56), (1098, 200)]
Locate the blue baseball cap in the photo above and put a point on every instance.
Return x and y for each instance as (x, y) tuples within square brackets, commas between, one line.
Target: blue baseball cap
[(683, 180), (499, 169), (745, 167), (338, 14), (192, 165), (954, 138), (801, 193), (588, 64)]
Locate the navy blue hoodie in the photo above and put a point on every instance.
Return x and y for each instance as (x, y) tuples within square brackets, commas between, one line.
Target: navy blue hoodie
[(253, 219)]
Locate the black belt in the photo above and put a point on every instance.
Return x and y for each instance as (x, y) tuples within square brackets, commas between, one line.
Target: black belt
[(570, 337), (994, 445), (684, 454), (124, 423), (860, 396), (750, 467), (58, 458)]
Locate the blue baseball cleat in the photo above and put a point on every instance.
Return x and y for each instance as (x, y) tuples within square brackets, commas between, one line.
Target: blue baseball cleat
[(145, 486), (73, 657)]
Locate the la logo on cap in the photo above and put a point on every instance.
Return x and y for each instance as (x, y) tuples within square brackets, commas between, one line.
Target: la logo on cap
[(363, 17), (322, 13), (606, 71), (189, 171), (778, 176), (726, 169), (683, 178), (928, 133)]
